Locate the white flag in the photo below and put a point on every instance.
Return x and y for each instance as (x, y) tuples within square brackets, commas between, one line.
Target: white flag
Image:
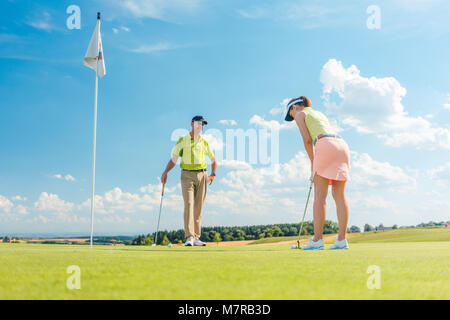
[(94, 52)]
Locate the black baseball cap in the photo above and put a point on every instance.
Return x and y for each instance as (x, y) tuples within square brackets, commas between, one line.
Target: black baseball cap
[(299, 101), (199, 118)]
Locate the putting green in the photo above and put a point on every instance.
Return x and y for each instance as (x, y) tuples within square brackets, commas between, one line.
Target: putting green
[(412, 270)]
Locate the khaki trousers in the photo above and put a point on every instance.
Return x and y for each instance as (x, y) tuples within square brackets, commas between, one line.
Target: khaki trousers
[(193, 187)]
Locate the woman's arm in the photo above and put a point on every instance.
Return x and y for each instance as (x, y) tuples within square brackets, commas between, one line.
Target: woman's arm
[(307, 141)]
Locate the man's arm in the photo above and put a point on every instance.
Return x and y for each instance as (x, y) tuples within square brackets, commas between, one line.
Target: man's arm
[(172, 162), (213, 170)]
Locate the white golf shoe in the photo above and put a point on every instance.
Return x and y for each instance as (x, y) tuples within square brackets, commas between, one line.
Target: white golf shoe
[(339, 244), (189, 242), (199, 243), (314, 245)]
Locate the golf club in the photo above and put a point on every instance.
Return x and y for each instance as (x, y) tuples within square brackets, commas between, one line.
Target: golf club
[(303, 219), (159, 217)]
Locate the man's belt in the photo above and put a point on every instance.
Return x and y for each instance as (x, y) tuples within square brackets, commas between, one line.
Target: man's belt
[(200, 170)]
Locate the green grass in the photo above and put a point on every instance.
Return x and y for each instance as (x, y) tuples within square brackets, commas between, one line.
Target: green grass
[(277, 239), (409, 270), (404, 235)]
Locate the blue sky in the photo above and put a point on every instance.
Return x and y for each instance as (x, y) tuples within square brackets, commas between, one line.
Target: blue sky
[(386, 90)]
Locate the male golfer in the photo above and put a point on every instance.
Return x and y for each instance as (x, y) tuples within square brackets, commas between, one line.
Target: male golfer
[(194, 177)]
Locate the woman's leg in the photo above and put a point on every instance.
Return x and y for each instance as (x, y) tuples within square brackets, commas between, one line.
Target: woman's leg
[(338, 192), (320, 206)]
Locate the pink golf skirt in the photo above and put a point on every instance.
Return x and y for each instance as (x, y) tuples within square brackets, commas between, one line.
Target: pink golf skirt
[(332, 159)]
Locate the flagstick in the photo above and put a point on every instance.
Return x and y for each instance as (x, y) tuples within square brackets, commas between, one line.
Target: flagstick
[(93, 155)]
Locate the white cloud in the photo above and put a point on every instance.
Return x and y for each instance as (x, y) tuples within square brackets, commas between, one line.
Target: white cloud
[(368, 201), (228, 122), (374, 105), (42, 219), (298, 168), (441, 173), (271, 124), (52, 203), (317, 14), (215, 141), (162, 46), (67, 177), (159, 9), (118, 201), (43, 23), (235, 165), (19, 198), (8, 209), (281, 108), (20, 209), (5, 204), (123, 28), (447, 106), (367, 172)]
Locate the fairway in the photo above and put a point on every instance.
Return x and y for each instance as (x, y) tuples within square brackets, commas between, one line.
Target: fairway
[(409, 270)]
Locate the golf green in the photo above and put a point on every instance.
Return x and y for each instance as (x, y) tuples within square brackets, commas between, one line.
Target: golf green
[(407, 270)]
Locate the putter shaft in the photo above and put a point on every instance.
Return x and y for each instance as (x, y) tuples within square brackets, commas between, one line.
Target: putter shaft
[(304, 213), (159, 216)]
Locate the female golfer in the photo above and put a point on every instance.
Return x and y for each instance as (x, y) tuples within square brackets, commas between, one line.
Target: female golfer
[(329, 155)]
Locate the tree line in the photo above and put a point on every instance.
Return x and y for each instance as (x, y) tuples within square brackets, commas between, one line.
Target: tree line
[(217, 234)]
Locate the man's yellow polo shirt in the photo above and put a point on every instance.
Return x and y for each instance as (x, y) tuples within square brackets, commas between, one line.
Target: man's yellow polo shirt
[(192, 152)]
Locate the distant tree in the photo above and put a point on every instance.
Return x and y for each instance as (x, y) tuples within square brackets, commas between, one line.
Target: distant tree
[(239, 234), (180, 242), (394, 227), (268, 233), (367, 227), (355, 229), (147, 241), (228, 237), (212, 234), (276, 231), (293, 231), (308, 228), (381, 227), (165, 241), (217, 238), (6, 239)]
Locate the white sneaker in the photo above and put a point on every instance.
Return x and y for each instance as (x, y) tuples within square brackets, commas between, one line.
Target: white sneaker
[(198, 242), (189, 242), (314, 245), (339, 244)]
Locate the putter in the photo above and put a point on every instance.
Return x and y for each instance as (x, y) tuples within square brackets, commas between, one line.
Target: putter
[(304, 213), (159, 217)]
